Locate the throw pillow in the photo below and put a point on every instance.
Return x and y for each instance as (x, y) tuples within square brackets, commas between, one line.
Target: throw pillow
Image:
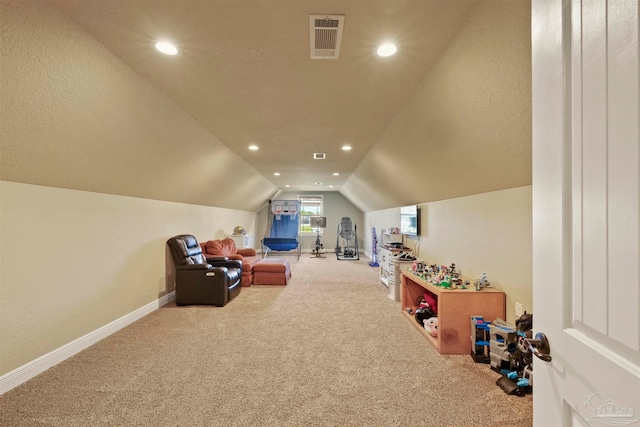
[(213, 247), (228, 246)]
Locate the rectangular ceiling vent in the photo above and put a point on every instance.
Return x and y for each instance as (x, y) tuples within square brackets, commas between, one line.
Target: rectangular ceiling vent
[(326, 36), (319, 156)]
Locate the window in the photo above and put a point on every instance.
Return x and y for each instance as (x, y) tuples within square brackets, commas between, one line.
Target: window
[(309, 206)]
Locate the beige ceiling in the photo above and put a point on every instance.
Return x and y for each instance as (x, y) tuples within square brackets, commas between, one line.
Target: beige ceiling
[(244, 72)]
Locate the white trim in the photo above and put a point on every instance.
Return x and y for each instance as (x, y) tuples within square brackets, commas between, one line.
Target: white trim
[(29, 370)]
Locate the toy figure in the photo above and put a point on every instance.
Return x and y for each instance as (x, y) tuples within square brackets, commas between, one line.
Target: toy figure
[(483, 280), (456, 282), (431, 325)]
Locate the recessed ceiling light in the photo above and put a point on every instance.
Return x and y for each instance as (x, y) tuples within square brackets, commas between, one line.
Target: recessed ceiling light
[(167, 48), (331, 186), (346, 147), (336, 174), (287, 186), (387, 49), (276, 173), (253, 147)]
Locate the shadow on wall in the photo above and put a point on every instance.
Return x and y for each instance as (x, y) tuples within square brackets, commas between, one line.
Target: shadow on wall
[(170, 272)]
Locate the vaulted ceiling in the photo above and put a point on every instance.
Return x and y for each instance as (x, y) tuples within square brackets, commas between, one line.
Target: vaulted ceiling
[(245, 75)]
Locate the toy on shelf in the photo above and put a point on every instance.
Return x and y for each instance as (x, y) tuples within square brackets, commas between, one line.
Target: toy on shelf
[(431, 326), (404, 256), (438, 275), (423, 314), (456, 280), (447, 277), (430, 302), (427, 313), (482, 282)]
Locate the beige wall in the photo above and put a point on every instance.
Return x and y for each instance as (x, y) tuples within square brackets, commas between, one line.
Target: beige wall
[(336, 206), (467, 127), (73, 261), (75, 116), (488, 232)]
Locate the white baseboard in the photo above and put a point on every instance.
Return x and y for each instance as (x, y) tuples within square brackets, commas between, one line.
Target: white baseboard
[(25, 372)]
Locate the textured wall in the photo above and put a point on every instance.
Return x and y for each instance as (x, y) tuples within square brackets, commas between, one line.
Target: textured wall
[(73, 261), (467, 128), (75, 116), (490, 232)]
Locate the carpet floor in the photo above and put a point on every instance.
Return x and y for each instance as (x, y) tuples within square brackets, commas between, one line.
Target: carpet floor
[(328, 349)]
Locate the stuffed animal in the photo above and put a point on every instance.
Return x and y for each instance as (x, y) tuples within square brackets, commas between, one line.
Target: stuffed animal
[(431, 325)]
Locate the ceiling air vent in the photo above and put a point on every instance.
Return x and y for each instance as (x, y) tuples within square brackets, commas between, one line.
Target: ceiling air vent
[(319, 156), (326, 35)]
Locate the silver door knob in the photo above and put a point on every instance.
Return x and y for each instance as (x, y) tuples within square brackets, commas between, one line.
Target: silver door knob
[(539, 346)]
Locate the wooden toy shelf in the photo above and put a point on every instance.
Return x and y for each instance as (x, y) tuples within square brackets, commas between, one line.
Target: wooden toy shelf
[(455, 308)]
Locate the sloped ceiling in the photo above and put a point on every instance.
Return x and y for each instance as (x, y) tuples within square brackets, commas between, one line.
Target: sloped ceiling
[(466, 128), (244, 77)]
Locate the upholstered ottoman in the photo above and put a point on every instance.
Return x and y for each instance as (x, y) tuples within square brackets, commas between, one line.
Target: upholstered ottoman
[(271, 271)]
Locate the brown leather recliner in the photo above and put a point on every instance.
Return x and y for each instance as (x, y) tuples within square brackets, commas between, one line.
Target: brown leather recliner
[(200, 279)]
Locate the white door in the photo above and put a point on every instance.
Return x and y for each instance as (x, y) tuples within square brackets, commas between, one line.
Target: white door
[(586, 198)]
